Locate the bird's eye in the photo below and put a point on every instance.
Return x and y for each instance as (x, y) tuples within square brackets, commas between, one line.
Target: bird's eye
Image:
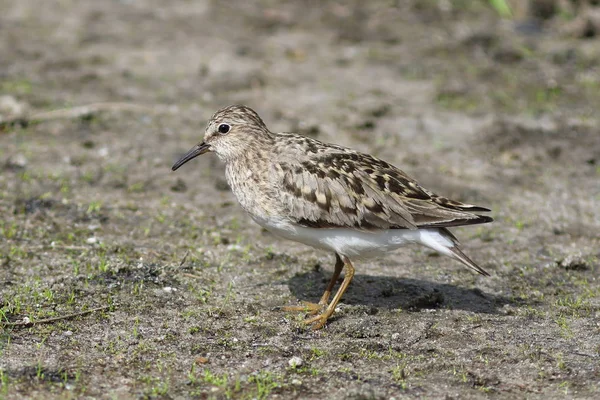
[(223, 128)]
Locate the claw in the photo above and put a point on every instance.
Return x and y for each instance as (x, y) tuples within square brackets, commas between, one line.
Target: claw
[(318, 321)]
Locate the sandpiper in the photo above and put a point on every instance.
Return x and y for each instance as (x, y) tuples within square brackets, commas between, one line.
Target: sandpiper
[(329, 197)]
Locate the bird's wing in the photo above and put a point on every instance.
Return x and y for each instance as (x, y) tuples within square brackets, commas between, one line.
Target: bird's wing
[(343, 188)]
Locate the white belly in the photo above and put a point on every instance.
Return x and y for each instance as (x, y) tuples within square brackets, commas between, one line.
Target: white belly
[(355, 243)]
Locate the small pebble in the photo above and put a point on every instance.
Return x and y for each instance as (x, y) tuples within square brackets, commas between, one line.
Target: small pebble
[(201, 360), (91, 240), (103, 152), (19, 160), (574, 262), (11, 106), (295, 362)]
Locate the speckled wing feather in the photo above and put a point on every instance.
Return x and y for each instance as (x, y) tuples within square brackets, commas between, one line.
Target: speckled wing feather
[(332, 186)]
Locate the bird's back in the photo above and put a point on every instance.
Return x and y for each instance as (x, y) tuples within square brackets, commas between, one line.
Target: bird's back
[(322, 185)]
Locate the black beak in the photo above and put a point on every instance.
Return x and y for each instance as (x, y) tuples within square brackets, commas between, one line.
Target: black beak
[(194, 152)]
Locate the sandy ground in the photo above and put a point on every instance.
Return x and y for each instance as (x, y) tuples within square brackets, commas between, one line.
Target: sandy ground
[(182, 289)]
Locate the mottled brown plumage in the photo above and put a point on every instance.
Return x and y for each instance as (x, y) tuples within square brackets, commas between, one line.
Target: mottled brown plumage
[(329, 196), (332, 186)]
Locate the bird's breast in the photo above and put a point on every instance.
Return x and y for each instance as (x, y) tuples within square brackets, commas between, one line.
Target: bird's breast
[(251, 190)]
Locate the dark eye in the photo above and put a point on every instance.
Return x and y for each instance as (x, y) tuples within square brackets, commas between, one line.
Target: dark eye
[(223, 128)]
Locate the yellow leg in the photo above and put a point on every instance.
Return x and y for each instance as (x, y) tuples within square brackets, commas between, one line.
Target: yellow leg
[(320, 320), (315, 308)]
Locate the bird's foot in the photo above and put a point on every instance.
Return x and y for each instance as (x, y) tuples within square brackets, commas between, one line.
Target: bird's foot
[(320, 320), (307, 307), (320, 308)]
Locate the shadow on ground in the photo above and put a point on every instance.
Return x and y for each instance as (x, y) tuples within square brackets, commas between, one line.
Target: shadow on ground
[(393, 293)]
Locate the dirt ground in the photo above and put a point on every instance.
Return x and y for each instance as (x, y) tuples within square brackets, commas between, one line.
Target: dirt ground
[(177, 291)]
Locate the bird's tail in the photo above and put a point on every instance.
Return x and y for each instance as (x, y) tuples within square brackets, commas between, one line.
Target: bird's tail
[(445, 242)]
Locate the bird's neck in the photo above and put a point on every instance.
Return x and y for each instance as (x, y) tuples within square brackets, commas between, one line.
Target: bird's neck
[(251, 152)]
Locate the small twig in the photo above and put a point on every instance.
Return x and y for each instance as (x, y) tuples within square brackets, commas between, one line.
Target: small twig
[(58, 247), (50, 320), (76, 112), (191, 275), (583, 354), (185, 256), (472, 328)]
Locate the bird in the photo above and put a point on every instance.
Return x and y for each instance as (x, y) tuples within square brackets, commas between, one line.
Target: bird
[(329, 197)]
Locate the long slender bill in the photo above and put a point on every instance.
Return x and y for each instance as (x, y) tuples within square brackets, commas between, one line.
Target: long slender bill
[(194, 152)]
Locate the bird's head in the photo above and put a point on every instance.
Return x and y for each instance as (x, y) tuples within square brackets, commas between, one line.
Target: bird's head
[(229, 133)]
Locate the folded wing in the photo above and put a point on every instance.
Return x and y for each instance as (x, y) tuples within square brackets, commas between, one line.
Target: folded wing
[(343, 188)]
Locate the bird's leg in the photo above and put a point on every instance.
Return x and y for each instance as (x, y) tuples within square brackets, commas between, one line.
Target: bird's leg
[(314, 308), (320, 320), (339, 265)]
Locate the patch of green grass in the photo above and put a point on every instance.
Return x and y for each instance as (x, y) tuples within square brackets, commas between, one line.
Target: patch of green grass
[(457, 101), (39, 371), (222, 382), (560, 362), (3, 317), (545, 99), (219, 380), (563, 324), (193, 330), (202, 294), (502, 8), (532, 312), (390, 354), (17, 252), (306, 370), (461, 374), (264, 383), (520, 224), (399, 375), (138, 288), (160, 218), (103, 263), (157, 387), (71, 299), (564, 387), (137, 187), (576, 304), (94, 207), (3, 382), (9, 230), (17, 87), (48, 295), (316, 353), (88, 177), (136, 328)]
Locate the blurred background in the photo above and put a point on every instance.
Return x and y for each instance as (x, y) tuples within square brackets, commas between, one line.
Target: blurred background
[(490, 102)]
